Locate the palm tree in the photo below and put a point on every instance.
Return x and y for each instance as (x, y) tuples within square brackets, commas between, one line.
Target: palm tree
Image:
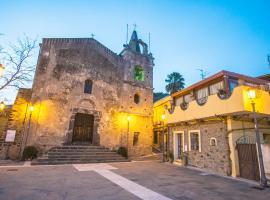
[(175, 82)]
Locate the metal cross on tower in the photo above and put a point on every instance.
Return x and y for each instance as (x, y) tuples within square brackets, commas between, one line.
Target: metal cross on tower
[(135, 26)]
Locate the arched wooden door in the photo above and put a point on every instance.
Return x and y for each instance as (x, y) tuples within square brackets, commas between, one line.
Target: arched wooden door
[(83, 128)]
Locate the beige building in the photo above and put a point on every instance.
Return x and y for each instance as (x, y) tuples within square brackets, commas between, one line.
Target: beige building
[(83, 93), (211, 122)]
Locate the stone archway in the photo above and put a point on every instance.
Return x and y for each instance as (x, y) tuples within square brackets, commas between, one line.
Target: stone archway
[(95, 135)]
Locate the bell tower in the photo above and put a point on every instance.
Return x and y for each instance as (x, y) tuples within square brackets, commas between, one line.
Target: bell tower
[(140, 69)]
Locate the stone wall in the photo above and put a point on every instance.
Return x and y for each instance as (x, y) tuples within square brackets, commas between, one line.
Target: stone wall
[(17, 120), (3, 126), (213, 158)]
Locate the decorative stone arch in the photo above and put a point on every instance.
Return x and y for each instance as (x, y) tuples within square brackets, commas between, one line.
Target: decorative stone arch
[(86, 103), (97, 118)]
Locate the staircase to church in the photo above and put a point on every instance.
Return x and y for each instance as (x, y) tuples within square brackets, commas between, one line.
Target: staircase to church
[(75, 154)]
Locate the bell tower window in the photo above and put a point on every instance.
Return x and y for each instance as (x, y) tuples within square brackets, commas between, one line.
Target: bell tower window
[(88, 86), (138, 73)]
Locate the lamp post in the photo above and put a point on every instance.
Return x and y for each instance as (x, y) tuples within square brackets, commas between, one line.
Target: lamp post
[(163, 149), (263, 180), (128, 119), (2, 68)]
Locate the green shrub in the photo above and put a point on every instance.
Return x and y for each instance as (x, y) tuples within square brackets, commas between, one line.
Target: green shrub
[(30, 153), (122, 151)]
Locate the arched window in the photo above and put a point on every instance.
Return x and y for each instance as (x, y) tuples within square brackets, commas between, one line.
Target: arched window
[(136, 98), (138, 73), (88, 86)]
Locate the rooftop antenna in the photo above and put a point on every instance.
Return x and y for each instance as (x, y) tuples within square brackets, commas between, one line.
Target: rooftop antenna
[(127, 35), (149, 37), (203, 73)]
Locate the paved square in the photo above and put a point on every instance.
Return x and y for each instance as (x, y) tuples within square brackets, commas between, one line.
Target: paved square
[(119, 181)]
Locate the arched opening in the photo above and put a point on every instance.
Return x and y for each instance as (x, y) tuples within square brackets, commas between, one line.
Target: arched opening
[(88, 86), (136, 98), (139, 73)]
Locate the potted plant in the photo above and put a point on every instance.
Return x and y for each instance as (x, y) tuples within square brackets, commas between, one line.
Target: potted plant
[(30, 153)]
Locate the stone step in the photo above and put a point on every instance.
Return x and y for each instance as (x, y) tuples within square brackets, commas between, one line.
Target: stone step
[(83, 157), (82, 153), (79, 147), (62, 162), (79, 154), (80, 150)]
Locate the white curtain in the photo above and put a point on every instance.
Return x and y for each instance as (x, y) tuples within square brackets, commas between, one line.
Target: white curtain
[(188, 98), (202, 93), (179, 100), (216, 87)]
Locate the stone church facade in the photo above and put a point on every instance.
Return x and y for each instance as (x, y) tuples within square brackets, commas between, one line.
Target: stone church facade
[(83, 93)]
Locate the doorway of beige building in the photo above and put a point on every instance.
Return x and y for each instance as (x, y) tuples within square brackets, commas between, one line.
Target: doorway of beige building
[(178, 141)]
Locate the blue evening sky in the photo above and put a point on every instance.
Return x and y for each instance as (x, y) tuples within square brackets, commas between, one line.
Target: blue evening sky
[(185, 35)]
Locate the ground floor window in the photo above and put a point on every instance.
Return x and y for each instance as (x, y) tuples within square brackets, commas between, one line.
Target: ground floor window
[(194, 141)]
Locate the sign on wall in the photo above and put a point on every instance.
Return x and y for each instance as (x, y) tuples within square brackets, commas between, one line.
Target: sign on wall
[(10, 136)]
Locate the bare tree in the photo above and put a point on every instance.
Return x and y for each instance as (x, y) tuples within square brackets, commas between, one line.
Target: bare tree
[(18, 69)]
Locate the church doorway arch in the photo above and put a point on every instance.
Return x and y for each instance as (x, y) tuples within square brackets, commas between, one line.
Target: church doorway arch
[(83, 128)]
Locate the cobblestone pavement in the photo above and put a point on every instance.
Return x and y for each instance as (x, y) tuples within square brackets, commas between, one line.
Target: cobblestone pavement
[(120, 181)]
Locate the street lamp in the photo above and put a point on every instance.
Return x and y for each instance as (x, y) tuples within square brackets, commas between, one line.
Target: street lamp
[(263, 180), (31, 109), (2, 68), (128, 119), (2, 106), (163, 117), (163, 149)]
